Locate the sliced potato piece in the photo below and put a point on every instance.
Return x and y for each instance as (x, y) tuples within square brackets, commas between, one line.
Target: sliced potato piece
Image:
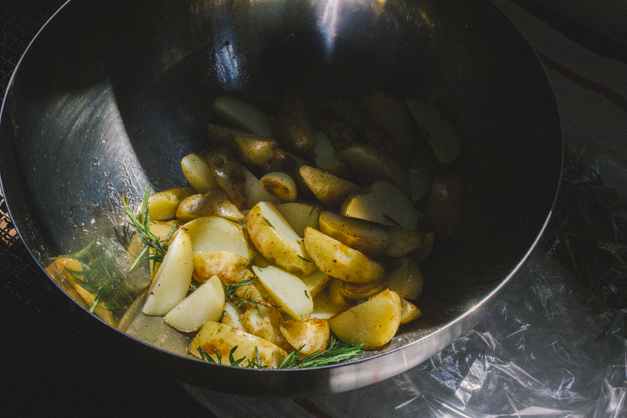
[(316, 282), (403, 242), (280, 185), (308, 336), (330, 190), (229, 174), (275, 239), (384, 203), (206, 303), (213, 233), (243, 115), (265, 322), (406, 279), (444, 204), (358, 291), (372, 323), (370, 238), (325, 159), (337, 298), (390, 113), (300, 215), (172, 280), (255, 192), (214, 202), (228, 266), (287, 290), (439, 131), (249, 148), (339, 260), (231, 316), (163, 205), (324, 308), (216, 337), (409, 311), (293, 128), (198, 173), (372, 165)]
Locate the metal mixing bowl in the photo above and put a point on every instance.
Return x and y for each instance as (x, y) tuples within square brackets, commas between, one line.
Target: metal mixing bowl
[(112, 94)]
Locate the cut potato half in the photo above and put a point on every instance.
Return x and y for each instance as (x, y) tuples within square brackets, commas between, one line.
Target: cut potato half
[(409, 311), (213, 233), (280, 185), (300, 215), (255, 192), (287, 290), (214, 202), (243, 115), (308, 336), (163, 205), (249, 148), (198, 174), (406, 279), (228, 266), (206, 303), (330, 190)]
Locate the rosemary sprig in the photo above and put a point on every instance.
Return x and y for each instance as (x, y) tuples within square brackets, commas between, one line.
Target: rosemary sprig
[(230, 295), (255, 363), (336, 352)]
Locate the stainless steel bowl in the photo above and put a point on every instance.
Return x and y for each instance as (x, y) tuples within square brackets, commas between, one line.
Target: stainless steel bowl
[(112, 94)]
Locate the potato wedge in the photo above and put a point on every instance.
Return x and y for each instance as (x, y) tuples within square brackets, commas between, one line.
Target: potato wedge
[(330, 190), (372, 165), (316, 282), (249, 148), (216, 234), (243, 115), (444, 204), (206, 303), (338, 300), (265, 322), (372, 323), (231, 316), (228, 266), (229, 174), (293, 128), (280, 185), (309, 336), (300, 216), (390, 113), (406, 279), (275, 239), (216, 337), (324, 308), (198, 173), (172, 280), (287, 290), (384, 203), (214, 202), (409, 311), (255, 192), (439, 131), (163, 205), (355, 291), (325, 158), (339, 260)]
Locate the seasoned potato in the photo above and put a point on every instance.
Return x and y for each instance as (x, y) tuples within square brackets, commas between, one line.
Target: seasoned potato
[(409, 311), (338, 300), (229, 174), (293, 128), (444, 204), (280, 185), (243, 115), (163, 205), (216, 337), (213, 233), (249, 148), (324, 308), (384, 203), (325, 157), (330, 190), (300, 215), (172, 280), (339, 260), (406, 279), (315, 282), (286, 290), (198, 173), (372, 323), (422, 253), (254, 192), (309, 336), (367, 237), (265, 322), (275, 239), (390, 113), (206, 303), (358, 291), (231, 316), (214, 202), (228, 266)]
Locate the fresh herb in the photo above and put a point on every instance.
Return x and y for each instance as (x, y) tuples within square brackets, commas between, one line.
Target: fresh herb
[(336, 352), (389, 218), (255, 363), (150, 240), (307, 294), (304, 259), (230, 294), (267, 221)]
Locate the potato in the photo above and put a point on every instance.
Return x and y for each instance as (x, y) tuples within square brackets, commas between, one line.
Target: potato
[(444, 204), (355, 291), (229, 267), (370, 238), (390, 113), (163, 205), (372, 323), (286, 290), (198, 173), (422, 253), (275, 239), (249, 148), (255, 192), (324, 308), (372, 165), (206, 303), (214, 202), (339, 260), (293, 128), (229, 174), (330, 190), (406, 279), (243, 115), (325, 158), (265, 322), (403, 242), (280, 185), (315, 282), (172, 280), (165, 231), (309, 336), (231, 316), (384, 203), (300, 215), (337, 298), (439, 131), (216, 337), (213, 233), (409, 311)]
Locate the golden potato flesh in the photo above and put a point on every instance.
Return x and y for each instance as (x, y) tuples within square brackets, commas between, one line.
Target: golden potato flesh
[(214, 202), (409, 311), (228, 266), (300, 215), (280, 185), (214, 233), (249, 148), (324, 308), (309, 336), (229, 174), (216, 337), (243, 115), (198, 173), (265, 322), (368, 237), (372, 323), (330, 190), (339, 260), (406, 279), (163, 205)]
